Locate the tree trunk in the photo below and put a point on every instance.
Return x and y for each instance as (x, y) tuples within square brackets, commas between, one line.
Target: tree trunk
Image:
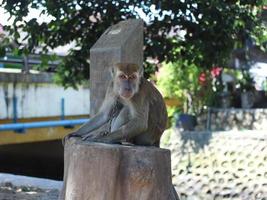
[(95, 171)]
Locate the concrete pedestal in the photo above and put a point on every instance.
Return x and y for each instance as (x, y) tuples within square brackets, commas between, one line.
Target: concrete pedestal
[(98, 171)]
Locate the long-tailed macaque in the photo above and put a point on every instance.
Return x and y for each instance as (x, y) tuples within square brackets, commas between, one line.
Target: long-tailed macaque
[(133, 111)]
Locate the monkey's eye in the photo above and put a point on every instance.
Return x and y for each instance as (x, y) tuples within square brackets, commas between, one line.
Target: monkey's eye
[(132, 77), (122, 76)]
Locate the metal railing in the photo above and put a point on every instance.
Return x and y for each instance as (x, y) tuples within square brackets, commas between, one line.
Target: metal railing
[(21, 127), (26, 61)]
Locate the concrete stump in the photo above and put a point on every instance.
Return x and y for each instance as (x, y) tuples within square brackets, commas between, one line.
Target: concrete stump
[(98, 171)]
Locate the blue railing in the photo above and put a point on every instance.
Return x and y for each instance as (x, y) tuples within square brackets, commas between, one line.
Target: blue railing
[(42, 124)]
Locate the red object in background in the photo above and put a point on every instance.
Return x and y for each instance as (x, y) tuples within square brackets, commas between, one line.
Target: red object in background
[(216, 71), (202, 78)]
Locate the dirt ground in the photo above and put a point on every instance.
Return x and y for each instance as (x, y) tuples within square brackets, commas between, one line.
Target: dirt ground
[(11, 192)]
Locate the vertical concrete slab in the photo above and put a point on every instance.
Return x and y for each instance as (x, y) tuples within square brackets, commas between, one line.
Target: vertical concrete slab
[(122, 42)]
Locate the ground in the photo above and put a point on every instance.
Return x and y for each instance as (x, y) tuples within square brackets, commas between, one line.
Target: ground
[(14, 187), (11, 192)]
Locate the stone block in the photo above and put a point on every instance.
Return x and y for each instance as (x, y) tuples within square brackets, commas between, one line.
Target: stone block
[(98, 171), (122, 42)]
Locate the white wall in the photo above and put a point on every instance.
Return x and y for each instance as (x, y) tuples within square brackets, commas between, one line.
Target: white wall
[(42, 100)]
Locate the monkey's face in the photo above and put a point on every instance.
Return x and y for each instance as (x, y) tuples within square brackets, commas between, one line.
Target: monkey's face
[(127, 84)]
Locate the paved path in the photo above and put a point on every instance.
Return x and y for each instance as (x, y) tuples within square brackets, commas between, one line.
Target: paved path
[(14, 187), (11, 192)]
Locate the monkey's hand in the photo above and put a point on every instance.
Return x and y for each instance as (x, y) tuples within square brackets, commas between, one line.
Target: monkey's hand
[(67, 137)]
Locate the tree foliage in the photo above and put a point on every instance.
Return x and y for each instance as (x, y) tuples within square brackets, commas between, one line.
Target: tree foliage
[(199, 32), (192, 86)]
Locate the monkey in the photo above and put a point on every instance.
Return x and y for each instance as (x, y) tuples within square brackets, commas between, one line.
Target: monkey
[(133, 110)]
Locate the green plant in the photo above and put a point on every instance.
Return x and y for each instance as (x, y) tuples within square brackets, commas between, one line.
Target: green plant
[(187, 85), (264, 85), (245, 81)]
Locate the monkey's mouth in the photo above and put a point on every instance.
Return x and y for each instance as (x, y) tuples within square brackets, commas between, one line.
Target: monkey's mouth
[(126, 94)]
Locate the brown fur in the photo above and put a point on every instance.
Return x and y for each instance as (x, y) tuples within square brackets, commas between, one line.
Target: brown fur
[(140, 119), (127, 68)]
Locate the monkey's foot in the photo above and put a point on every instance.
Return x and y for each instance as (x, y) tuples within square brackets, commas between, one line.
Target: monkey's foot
[(91, 137), (127, 143), (100, 140)]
